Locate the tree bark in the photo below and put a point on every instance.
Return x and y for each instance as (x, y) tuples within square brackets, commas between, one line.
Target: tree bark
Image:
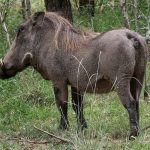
[(62, 7), (125, 13), (87, 4), (28, 8), (23, 3)]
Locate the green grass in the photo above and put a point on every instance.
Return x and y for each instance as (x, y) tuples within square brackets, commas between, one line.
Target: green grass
[(27, 101)]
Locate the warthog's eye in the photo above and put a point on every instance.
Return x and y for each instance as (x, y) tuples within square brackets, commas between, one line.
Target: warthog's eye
[(34, 23), (21, 28)]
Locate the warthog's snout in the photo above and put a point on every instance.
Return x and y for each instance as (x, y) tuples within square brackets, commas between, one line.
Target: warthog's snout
[(5, 73), (2, 74)]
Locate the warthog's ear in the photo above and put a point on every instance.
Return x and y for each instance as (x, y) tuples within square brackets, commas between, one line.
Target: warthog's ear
[(27, 58), (37, 18)]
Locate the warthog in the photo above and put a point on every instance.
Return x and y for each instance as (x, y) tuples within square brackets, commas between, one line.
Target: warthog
[(88, 62)]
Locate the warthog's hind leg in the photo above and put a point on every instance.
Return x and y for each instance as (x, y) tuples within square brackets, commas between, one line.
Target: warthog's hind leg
[(61, 96), (77, 104), (131, 105), (136, 87)]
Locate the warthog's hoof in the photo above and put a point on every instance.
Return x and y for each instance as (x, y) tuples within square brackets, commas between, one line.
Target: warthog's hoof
[(82, 126), (134, 133), (64, 125)]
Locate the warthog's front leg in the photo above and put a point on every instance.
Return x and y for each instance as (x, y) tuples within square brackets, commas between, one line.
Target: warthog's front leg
[(61, 96), (77, 104)]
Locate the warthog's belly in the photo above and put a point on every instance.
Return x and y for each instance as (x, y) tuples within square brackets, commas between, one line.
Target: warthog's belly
[(103, 86)]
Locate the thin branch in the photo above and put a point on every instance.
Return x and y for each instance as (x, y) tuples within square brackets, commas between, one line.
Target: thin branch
[(125, 13), (5, 29), (54, 136)]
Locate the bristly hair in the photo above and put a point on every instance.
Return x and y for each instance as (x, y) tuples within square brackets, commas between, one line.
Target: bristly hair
[(66, 34)]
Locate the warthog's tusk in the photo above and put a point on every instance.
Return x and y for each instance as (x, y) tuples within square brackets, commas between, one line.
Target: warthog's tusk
[(28, 55)]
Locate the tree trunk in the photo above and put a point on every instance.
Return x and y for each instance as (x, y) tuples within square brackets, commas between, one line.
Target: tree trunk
[(23, 3), (87, 4), (135, 13), (5, 29), (124, 13), (132, 7), (62, 7), (146, 95), (148, 22), (26, 9)]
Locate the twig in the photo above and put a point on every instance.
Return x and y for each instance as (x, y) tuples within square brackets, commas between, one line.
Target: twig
[(54, 136)]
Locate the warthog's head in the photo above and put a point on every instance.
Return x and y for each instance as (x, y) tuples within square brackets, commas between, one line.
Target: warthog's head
[(22, 50)]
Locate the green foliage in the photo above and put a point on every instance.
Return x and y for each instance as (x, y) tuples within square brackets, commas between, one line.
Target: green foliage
[(99, 23), (27, 100)]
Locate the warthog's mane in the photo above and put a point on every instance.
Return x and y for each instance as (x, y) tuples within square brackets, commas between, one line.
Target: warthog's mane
[(66, 35)]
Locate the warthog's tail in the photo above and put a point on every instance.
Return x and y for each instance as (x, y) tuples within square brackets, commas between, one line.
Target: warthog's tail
[(141, 52)]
